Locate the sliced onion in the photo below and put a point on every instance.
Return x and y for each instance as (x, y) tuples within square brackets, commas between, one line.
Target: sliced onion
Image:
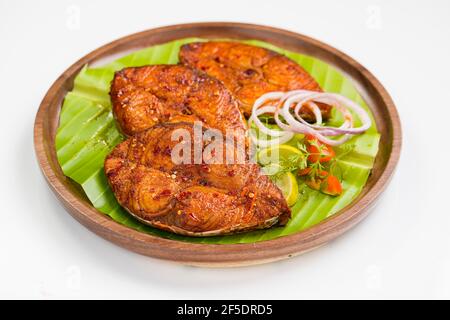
[(298, 99), (325, 130), (328, 98), (280, 136), (264, 110)]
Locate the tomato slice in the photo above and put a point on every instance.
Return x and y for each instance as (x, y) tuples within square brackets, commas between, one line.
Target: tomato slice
[(304, 172), (324, 182), (318, 151), (320, 180), (331, 186)]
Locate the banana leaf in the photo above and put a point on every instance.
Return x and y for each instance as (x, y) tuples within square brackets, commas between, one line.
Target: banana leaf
[(87, 133)]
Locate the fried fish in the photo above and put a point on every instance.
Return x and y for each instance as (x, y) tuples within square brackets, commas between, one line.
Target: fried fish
[(196, 199), (148, 95), (249, 71)]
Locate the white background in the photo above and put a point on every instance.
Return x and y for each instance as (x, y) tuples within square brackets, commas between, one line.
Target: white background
[(402, 250)]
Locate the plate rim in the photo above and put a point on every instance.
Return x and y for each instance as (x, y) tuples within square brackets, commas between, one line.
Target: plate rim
[(209, 254)]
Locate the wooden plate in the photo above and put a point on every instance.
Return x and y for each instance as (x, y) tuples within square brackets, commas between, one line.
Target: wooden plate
[(76, 203)]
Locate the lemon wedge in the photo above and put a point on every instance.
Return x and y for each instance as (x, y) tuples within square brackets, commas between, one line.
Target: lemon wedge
[(276, 154), (288, 186), (271, 159)]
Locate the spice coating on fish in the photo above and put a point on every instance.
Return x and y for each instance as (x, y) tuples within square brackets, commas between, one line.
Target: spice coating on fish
[(249, 71), (204, 199), (145, 96)]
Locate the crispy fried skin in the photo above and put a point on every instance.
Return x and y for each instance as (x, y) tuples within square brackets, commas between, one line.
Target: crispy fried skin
[(145, 96), (249, 71), (191, 199)]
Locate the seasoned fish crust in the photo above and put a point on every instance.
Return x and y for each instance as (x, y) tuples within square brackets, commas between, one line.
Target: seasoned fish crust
[(148, 95), (249, 71), (204, 199)]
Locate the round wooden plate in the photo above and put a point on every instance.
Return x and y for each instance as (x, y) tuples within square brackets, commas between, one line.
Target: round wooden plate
[(75, 201)]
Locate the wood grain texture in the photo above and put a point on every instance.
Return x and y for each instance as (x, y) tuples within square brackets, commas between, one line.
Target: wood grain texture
[(77, 204)]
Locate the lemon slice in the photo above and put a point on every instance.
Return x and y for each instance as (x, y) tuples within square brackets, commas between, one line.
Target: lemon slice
[(277, 153), (271, 158), (288, 186)]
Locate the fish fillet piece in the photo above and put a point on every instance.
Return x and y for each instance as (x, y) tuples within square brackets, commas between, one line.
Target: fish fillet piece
[(204, 199), (249, 71), (148, 95)]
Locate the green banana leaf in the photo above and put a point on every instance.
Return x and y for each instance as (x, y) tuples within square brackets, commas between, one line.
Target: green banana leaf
[(87, 133)]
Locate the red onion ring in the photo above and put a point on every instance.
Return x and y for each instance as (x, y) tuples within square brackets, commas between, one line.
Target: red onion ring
[(280, 136), (329, 98), (304, 98)]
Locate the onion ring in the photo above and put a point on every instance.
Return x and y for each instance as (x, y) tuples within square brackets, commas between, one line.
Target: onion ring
[(282, 104)]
